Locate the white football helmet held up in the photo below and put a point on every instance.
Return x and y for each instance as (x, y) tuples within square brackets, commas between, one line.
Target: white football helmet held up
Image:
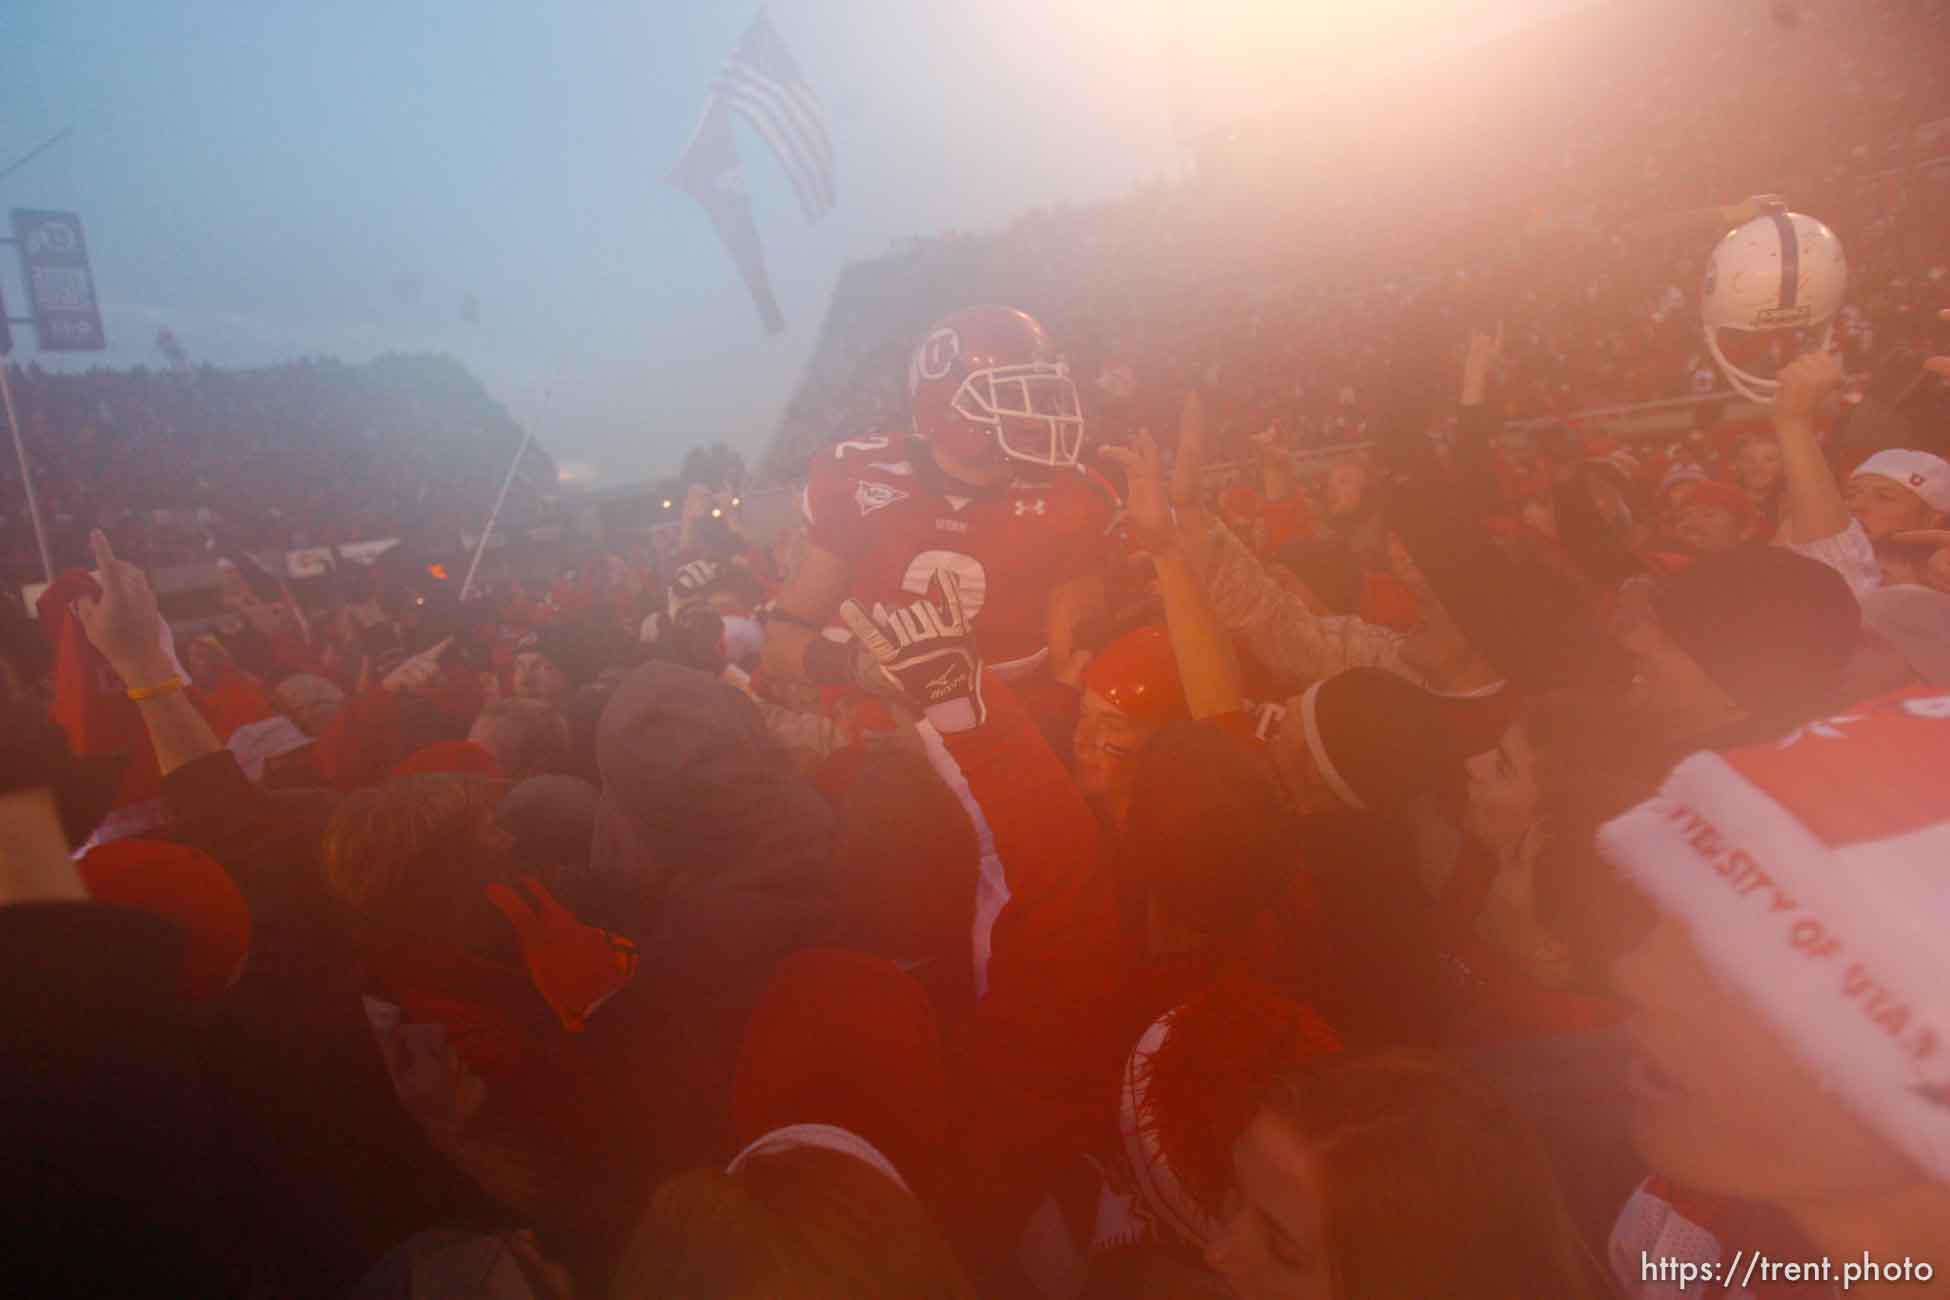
[(1780, 271)]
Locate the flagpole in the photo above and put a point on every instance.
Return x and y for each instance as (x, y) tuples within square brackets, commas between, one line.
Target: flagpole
[(480, 547), (26, 474), (36, 151)]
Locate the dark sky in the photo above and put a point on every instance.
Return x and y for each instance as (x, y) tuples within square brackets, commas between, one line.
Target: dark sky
[(271, 178)]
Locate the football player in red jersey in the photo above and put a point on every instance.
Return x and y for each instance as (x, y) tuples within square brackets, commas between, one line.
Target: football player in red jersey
[(986, 489)]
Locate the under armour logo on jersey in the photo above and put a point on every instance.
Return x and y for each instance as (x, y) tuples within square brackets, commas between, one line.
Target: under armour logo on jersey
[(1037, 507), (872, 496)]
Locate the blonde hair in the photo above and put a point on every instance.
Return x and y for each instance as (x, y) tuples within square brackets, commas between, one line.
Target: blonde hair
[(803, 1224), (406, 853)]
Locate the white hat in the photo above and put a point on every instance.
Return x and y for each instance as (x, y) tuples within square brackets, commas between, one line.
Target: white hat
[(1926, 475), (1814, 874)]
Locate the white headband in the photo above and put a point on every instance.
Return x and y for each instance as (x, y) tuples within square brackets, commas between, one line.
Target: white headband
[(1157, 1182), (1810, 872), (1310, 728), (823, 1137)]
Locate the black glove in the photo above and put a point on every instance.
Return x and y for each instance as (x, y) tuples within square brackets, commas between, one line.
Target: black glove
[(926, 652), (693, 582)]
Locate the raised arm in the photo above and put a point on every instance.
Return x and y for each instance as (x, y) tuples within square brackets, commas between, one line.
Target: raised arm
[(1818, 523), (1276, 626), (126, 627), (1815, 509), (1477, 423), (1277, 480), (1070, 604), (1207, 663), (792, 637)]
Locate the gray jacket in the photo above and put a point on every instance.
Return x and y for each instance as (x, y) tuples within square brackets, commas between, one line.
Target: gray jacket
[(709, 848)]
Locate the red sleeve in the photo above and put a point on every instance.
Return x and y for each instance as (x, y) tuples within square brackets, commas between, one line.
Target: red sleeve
[(1038, 1062), (1091, 511), (92, 707), (1042, 829), (832, 513)]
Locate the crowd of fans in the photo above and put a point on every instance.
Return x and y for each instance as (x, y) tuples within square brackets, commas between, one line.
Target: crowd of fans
[(306, 454), (1357, 925), (1527, 181), (1469, 866)]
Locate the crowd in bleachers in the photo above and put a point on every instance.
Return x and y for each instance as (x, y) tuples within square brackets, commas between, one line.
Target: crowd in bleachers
[(308, 453), (1315, 260)]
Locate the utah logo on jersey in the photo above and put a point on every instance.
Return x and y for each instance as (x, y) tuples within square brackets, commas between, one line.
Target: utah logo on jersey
[(873, 496)]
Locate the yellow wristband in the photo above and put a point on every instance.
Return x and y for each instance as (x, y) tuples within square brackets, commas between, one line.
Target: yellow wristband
[(167, 686)]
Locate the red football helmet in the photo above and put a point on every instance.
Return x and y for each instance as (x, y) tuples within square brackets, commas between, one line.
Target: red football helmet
[(990, 374), (1138, 674)]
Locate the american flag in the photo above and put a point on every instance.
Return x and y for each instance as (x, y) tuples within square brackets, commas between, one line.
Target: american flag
[(762, 84)]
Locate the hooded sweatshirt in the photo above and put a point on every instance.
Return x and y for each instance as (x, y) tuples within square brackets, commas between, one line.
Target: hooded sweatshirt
[(710, 848)]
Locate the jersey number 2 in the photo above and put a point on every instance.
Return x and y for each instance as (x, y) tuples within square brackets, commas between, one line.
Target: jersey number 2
[(968, 572)]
